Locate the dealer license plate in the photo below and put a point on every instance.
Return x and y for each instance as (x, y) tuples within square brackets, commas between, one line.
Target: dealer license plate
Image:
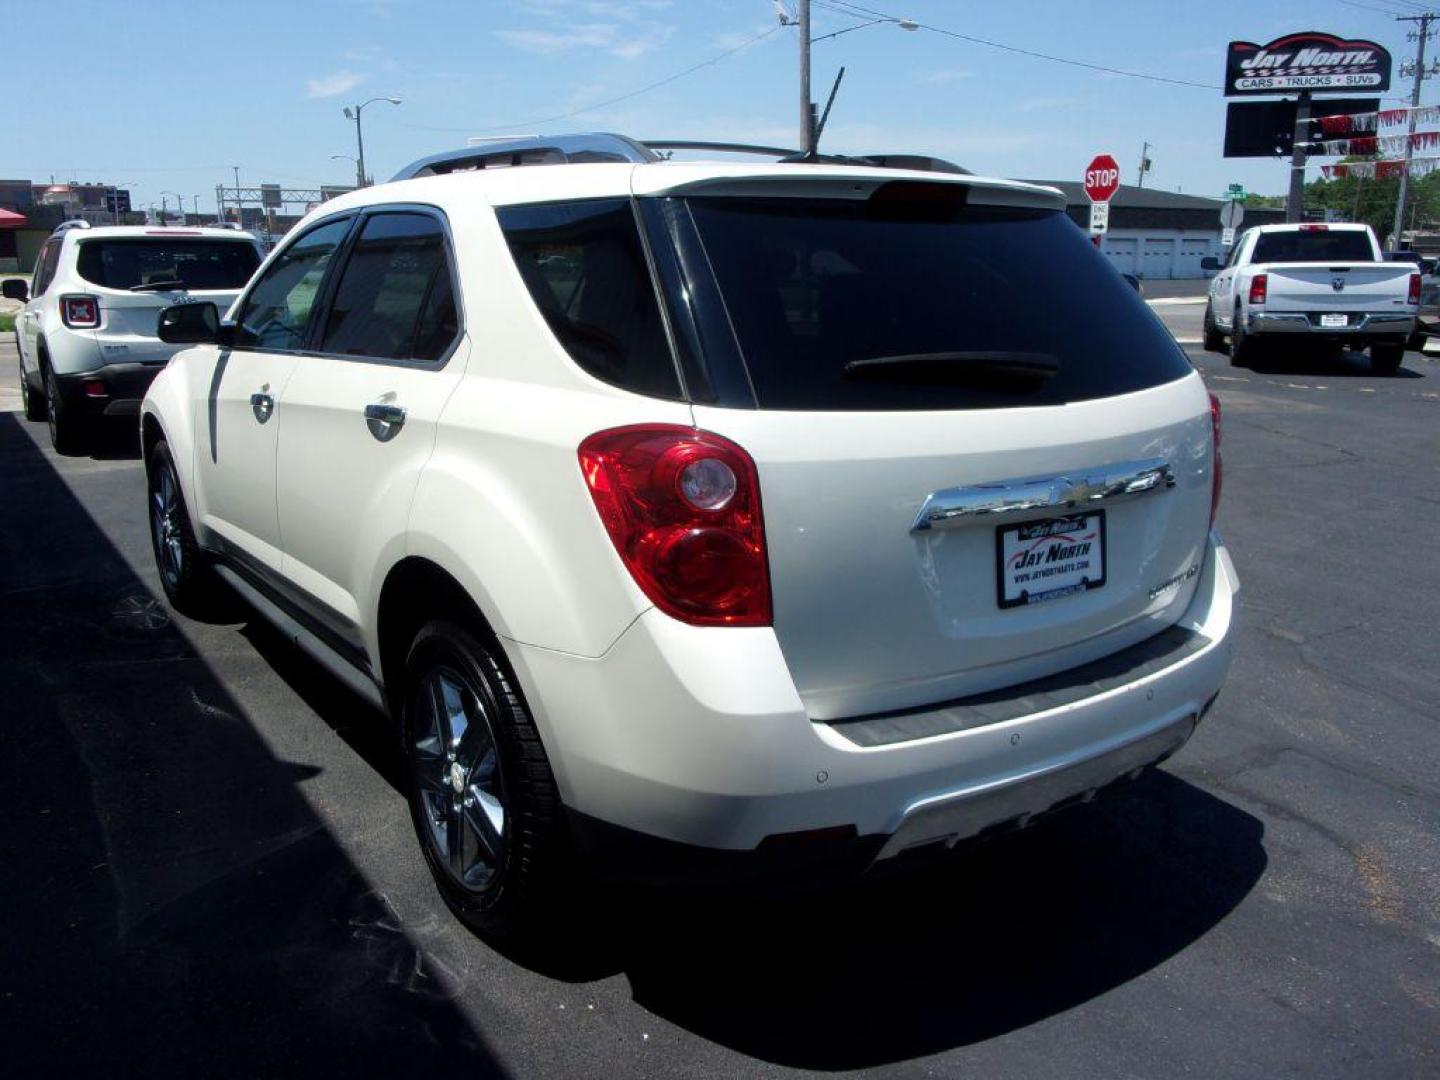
[(1334, 321), (1045, 560)]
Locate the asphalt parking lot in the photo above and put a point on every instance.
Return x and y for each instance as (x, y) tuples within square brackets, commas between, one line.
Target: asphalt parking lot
[(209, 867)]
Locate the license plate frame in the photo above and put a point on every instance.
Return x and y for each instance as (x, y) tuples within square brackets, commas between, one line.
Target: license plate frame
[(1085, 526), (1336, 320)]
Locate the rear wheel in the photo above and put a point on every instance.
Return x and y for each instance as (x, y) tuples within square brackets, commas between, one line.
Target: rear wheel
[(1385, 359), (1242, 349), (67, 429), (1214, 339), (1415, 342), (483, 799)]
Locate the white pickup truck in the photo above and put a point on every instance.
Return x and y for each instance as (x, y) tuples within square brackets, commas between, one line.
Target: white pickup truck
[(1328, 284)]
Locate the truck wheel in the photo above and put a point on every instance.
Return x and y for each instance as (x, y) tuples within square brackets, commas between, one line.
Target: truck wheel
[(1242, 349), (1415, 342), (1385, 359), (67, 431), (33, 403), (483, 799), (185, 575), (1214, 339)]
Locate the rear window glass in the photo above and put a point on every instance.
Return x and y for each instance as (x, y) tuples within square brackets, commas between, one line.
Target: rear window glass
[(196, 264), (585, 268), (1313, 245), (918, 301)]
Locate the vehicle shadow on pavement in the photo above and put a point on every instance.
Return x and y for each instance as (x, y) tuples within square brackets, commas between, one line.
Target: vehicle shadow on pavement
[(1331, 363), (173, 905), (1015, 930)]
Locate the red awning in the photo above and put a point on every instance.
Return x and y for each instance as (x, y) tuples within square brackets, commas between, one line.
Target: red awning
[(11, 220)]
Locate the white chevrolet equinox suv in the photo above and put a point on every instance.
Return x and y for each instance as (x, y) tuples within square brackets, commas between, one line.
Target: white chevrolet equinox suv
[(703, 520), (86, 336)]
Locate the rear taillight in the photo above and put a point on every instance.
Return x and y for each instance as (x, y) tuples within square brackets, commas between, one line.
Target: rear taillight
[(80, 312), (682, 507), (1258, 285), (1414, 289), (1215, 469)]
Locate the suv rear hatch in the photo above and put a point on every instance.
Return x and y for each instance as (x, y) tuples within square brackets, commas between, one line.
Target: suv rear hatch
[(136, 277), (957, 349)]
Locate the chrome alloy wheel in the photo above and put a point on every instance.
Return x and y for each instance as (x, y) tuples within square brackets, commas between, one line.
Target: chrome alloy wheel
[(165, 525), (456, 770)]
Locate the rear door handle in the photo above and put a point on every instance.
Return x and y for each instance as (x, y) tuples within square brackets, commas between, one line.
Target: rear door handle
[(384, 420), (262, 405)]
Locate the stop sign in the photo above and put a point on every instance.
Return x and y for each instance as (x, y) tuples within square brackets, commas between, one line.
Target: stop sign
[(1102, 178)]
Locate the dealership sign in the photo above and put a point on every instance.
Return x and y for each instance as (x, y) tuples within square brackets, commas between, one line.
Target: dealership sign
[(1320, 63)]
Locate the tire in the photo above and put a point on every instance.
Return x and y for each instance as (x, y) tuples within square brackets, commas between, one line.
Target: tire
[(1242, 349), (33, 403), (185, 573), (67, 429), (1416, 341), (1385, 359), (484, 804), (1214, 339)]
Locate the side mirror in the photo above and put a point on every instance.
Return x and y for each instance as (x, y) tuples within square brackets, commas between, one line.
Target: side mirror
[(15, 289), (192, 324), (1209, 262)]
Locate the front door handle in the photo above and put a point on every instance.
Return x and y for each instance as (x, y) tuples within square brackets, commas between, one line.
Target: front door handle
[(263, 406), (383, 420)]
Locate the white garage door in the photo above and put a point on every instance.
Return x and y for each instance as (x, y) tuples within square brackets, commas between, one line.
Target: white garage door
[(1123, 252), (1191, 252), (1157, 259)]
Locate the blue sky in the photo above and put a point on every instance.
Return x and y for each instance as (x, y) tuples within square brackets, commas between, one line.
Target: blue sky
[(167, 97)]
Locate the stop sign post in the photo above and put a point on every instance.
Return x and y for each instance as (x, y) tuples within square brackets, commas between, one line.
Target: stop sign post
[(1102, 180)]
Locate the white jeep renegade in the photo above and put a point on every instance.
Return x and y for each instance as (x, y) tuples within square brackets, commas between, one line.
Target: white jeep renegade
[(708, 520), (86, 336)]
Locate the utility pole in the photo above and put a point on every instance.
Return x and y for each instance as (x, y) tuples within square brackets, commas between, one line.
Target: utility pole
[(1294, 209), (1420, 36), (1144, 164), (807, 110)]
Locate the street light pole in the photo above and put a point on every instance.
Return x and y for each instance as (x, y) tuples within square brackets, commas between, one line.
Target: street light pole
[(354, 114)]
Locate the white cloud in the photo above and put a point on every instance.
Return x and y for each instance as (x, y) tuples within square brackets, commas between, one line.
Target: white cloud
[(939, 78), (626, 42), (331, 85), (1046, 104)]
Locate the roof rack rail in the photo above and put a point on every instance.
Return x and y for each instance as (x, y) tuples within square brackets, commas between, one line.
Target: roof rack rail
[(607, 147), (540, 150), (73, 223)]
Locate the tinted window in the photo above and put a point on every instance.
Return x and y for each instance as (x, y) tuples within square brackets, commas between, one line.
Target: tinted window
[(45, 266), (1313, 245), (196, 264), (914, 300), (585, 268), (276, 314), (395, 299)]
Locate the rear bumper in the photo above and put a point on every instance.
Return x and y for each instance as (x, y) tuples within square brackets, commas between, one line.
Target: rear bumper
[(682, 741), (112, 390), (1368, 326)]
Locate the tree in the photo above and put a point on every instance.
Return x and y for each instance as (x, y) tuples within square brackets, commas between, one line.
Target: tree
[(1372, 200)]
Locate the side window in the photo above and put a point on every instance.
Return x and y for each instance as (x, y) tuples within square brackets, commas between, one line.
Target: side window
[(45, 265), (276, 314), (585, 268), (395, 299)]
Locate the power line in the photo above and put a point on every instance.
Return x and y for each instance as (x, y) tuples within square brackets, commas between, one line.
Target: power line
[(856, 9), (536, 122)]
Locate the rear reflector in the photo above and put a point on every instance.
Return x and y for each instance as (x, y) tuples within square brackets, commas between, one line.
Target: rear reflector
[(1414, 289), (1259, 284), (95, 388), (80, 312)]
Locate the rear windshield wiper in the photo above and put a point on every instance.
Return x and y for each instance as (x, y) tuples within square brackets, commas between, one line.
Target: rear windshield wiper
[(1020, 371), (152, 286)]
